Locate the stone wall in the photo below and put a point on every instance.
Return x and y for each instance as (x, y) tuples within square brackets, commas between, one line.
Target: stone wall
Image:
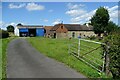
[(83, 34)]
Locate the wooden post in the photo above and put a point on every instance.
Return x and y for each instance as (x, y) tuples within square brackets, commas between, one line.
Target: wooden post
[(107, 60), (79, 47), (103, 65)]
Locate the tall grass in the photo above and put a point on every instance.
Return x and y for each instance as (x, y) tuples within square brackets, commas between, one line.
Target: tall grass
[(58, 49)]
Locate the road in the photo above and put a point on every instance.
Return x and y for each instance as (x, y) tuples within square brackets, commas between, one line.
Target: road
[(24, 61)]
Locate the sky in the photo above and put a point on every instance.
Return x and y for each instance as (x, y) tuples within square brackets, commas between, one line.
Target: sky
[(51, 13)]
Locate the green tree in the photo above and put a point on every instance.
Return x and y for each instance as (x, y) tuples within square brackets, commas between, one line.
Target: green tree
[(19, 24), (100, 20), (112, 27), (10, 28)]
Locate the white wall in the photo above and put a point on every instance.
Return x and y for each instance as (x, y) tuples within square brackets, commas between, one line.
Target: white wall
[(16, 31)]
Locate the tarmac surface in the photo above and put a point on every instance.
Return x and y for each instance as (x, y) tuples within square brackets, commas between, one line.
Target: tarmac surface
[(24, 61)]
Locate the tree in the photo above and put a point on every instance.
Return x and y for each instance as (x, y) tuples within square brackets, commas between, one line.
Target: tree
[(19, 24), (111, 27), (100, 20), (10, 28)]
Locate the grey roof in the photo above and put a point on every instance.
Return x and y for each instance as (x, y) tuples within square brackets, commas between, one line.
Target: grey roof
[(74, 27), (78, 27)]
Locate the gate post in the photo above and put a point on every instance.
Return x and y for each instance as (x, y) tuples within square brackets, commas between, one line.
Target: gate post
[(107, 60), (79, 46)]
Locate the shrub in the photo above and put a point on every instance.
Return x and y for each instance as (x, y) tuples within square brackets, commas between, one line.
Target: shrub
[(92, 37), (4, 34), (114, 54)]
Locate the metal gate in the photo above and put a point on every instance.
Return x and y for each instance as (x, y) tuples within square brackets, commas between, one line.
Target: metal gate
[(90, 52)]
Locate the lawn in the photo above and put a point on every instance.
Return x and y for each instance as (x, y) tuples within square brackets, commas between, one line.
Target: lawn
[(3, 46), (58, 50)]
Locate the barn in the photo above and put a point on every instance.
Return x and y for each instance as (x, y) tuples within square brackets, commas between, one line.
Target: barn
[(72, 31), (29, 30)]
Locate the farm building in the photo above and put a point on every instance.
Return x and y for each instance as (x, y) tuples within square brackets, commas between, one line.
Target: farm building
[(71, 30), (47, 31), (29, 30)]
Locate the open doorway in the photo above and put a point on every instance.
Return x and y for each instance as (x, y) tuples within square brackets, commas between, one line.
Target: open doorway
[(54, 35), (32, 32)]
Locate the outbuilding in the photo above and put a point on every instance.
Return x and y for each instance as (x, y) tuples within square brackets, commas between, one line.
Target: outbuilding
[(29, 30), (72, 31)]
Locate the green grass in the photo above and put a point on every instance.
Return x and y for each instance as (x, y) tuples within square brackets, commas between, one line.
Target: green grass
[(0, 58), (4, 42), (58, 49)]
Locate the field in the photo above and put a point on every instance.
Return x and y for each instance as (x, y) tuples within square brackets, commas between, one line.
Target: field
[(58, 49)]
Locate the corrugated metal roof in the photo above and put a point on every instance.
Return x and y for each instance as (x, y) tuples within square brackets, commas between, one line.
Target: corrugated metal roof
[(48, 27), (30, 26)]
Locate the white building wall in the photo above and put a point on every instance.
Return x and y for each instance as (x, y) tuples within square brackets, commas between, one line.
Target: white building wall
[(16, 31)]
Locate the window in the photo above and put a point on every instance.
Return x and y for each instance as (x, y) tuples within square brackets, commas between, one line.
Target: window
[(73, 34), (61, 27)]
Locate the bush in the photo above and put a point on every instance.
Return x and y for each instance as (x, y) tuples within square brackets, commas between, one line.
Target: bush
[(92, 37), (4, 34), (114, 54)]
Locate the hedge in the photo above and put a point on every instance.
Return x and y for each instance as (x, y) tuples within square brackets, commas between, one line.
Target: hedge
[(4, 34)]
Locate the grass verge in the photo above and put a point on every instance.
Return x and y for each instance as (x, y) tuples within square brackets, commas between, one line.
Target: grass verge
[(58, 49), (4, 42)]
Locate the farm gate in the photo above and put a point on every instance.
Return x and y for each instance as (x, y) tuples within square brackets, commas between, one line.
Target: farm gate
[(90, 52)]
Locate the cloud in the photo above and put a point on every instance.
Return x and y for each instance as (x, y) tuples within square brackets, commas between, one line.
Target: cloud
[(113, 12), (74, 6), (75, 12), (45, 20), (82, 16), (28, 6), (50, 10), (78, 14), (12, 6), (75, 9), (4, 24), (1, 23), (57, 21), (113, 8), (34, 6)]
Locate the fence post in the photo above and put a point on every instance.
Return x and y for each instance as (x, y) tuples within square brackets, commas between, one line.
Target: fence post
[(107, 60), (104, 53), (79, 47)]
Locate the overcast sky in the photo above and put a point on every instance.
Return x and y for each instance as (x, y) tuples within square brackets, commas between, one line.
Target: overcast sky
[(50, 13)]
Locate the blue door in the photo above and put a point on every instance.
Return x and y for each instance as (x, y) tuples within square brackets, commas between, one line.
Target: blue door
[(40, 32), (23, 32)]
